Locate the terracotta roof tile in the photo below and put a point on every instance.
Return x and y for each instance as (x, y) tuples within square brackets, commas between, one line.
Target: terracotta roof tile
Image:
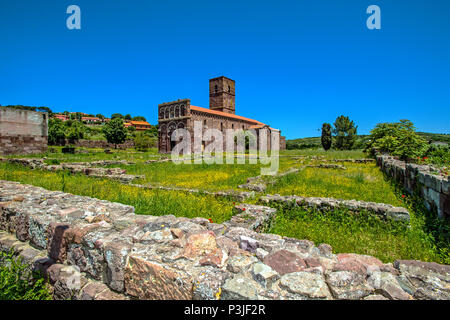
[(225, 114)]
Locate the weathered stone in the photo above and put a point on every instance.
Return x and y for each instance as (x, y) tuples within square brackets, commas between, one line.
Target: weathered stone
[(248, 244), (348, 285), (201, 243), (91, 290), (355, 263), (387, 284), (284, 262), (208, 284), (264, 275), (115, 256), (305, 284), (149, 280), (261, 254), (240, 288), (240, 263), (57, 241)]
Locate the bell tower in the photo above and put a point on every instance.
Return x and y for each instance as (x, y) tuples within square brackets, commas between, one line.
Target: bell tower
[(222, 95)]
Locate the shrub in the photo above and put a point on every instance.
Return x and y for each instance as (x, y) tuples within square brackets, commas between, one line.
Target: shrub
[(56, 132), (398, 139), (142, 142), (75, 131), (19, 282)]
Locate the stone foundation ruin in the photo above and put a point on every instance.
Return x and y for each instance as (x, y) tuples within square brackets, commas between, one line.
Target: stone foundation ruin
[(92, 249)]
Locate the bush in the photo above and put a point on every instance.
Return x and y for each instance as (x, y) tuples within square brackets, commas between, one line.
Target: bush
[(437, 155), (398, 139), (56, 132), (142, 142), (18, 282), (75, 131)]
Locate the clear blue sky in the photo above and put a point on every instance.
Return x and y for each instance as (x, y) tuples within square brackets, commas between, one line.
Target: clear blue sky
[(296, 63)]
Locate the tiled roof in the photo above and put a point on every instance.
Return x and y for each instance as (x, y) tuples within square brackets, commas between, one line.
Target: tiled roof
[(145, 123), (225, 114)]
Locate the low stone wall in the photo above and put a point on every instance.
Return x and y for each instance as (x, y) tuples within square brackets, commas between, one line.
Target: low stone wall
[(86, 168), (383, 210), (101, 144), (94, 249), (432, 187)]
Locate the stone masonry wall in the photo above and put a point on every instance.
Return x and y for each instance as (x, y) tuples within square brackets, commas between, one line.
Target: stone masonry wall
[(22, 132), (433, 188), (93, 249)]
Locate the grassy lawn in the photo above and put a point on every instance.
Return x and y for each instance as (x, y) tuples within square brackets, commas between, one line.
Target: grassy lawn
[(359, 181), (426, 239)]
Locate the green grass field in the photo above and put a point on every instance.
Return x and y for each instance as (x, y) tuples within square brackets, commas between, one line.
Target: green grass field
[(426, 239)]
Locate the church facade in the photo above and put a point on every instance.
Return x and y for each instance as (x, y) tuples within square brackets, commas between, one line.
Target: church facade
[(220, 115)]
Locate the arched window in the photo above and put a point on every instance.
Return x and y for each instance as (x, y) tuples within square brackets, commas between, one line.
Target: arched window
[(221, 126), (171, 112), (183, 111), (177, 111), (216, 88), (204, 122), (229, 89), (167, 113)]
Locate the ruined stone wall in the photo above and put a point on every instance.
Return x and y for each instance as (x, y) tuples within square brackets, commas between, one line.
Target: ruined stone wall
[(92, 249), (101, 144), (22, 131), (432, 187)]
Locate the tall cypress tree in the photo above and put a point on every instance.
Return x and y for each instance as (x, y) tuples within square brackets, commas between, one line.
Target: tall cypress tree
[(326, 136)]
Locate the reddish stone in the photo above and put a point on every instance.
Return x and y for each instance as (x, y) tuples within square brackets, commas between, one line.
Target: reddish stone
[(148, 280), (202, 243), (91, 290), (355, 263), (312, 262), (57, 241), (215, 259), (177, 233), (284, 261), (21, 226)]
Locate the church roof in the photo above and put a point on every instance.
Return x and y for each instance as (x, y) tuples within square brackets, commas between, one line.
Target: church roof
[(225, 114)]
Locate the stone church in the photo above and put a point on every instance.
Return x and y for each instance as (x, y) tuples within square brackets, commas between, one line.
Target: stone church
[(220, 115)]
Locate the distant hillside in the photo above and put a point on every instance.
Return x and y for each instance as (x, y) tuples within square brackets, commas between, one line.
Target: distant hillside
[(314, 142)]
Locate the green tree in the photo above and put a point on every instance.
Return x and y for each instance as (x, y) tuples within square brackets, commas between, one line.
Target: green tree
[(344, 132), (326, 136), (56, 132), (139, 118), (100, 116), (75, 131), (115, 131), (117, 115), (398, 139), (127, 117)]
